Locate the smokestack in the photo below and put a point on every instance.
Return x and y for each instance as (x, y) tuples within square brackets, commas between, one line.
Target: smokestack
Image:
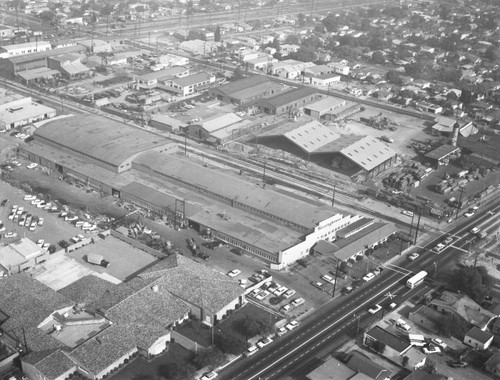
[(456, 130)]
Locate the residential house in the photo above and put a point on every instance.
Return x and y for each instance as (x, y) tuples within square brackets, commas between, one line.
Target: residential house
[(464, 307), (290, 68), (478, 339)]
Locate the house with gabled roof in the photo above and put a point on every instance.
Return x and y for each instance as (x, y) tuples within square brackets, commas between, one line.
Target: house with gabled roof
[(91, 327), (464, 307)]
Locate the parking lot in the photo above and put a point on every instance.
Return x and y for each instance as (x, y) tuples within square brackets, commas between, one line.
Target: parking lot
[(52, 230)]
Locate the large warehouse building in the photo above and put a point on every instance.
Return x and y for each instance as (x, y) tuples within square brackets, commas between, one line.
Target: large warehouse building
[(139, 167)]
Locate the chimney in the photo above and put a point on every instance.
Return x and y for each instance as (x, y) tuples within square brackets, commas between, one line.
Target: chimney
[(154, 288), (456, 130)]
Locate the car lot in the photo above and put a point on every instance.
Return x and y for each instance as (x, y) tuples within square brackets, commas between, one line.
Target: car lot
[(52, 230)]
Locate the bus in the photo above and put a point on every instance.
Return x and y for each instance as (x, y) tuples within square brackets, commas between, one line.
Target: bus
[(416, 279)]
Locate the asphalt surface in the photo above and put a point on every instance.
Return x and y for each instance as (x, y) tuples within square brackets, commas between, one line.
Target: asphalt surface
[(331, 322)]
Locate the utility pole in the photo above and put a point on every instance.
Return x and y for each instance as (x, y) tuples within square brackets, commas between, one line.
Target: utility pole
[(418, 225), (335, 281), (462, 189)]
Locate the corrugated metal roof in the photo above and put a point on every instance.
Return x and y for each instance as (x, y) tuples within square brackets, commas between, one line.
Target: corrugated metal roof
[(368, 152)]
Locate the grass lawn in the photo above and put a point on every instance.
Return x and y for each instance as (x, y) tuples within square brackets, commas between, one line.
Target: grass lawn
[(142, 369)]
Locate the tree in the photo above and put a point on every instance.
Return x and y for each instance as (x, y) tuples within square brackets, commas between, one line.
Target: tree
[(211, 357), (301, 18), (378, 346), (229, 344), (237, 73), (304, 54), (378, 57), (250, 327), (393, 77), (47, 17), (176, 371), (405, 361), (331, 22), (292, 39), (217, 36), (450, 325)]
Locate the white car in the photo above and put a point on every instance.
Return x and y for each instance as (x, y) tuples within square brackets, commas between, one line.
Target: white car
[(10, 235), (281, 331), (375, 309), (292, 325), (319, 285), (264, 342), (16, 163), (407, 213), (289, 293), (40, 222), (209, 376), (251, 350), (298, 301), (328, 278), (262, 294), (32, 165), (475, 230), (431, 349), (438, 248), (438, 342), (29, 197), (40, 242), (286, 308), (368, 277), (280, 291), (234, 273), (448, 240), (468, 214), (413, 256), (36, 201)]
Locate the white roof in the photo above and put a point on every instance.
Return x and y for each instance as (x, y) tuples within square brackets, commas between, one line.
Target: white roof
[(312, 136), (220, 121), (16, 114), (368, 152)]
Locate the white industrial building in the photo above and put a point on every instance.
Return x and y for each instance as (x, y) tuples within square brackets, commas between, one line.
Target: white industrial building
[(24, 48)]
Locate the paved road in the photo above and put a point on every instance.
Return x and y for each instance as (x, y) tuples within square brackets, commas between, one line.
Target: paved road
[(330, 322)]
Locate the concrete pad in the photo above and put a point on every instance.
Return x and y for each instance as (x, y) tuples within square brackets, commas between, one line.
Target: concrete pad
[(61, 272)]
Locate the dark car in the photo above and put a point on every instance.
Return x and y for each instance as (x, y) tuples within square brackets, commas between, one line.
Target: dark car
[(4, 202), (458, 364)]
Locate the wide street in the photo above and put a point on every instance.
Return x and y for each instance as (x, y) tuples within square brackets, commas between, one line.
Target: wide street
[(327, 324)]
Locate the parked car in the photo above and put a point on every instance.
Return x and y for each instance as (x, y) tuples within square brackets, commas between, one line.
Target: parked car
[(438, 248), (286, 308), (328, 278), (251, 350), (281, 331), (10, 235), (375, 309), (458, 364), (468, 214), (407, 213), (347, 289), (298, 301), (438, 342), (368, 277), (32, 165), (292, 325), (448, 240), (264, 342), (234, 273), (318, 285), (209, 376), (431, 349), (4, 202), (289, 293)]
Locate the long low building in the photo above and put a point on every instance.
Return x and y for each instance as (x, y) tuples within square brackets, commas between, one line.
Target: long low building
[(142, 168)]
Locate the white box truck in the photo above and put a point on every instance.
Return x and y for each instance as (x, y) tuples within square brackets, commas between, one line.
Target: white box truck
[(96, 259)]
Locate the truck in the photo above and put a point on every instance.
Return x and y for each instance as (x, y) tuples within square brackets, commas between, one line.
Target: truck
[(482, 234), (96, 259)]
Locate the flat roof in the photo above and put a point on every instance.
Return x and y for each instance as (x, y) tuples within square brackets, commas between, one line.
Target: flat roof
[(7, 96), (104, 139), (165, 119), (300, 212), (12, 115), (441, 152), (243, 84), (192, 79), (332, 369), (167, 73), (42, 72), (220, 121), (48, 53), (388, 338), (255, 91), (25, 45), (368, 152), (325, 104), (290, 96), (157, 198), (312, 136)]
